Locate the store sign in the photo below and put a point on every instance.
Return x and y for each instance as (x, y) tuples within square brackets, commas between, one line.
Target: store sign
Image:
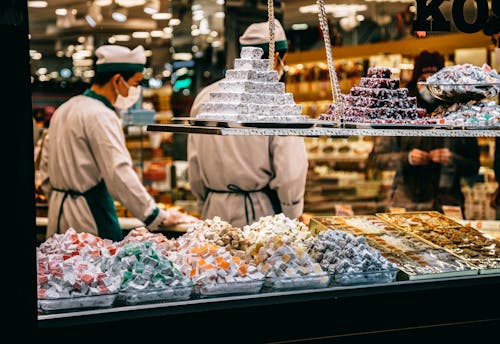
[(430, 18)]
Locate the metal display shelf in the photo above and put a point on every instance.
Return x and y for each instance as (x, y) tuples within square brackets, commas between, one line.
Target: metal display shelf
[(322, 131), (408, 308)]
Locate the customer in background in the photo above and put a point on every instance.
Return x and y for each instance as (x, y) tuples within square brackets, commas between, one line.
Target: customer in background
[(85, 162), (429, 170), (425, 64), (242, 178)]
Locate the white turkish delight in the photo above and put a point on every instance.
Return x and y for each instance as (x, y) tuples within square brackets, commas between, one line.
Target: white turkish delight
[(251, 87), (254, 53), (252, 64), (252, 75)]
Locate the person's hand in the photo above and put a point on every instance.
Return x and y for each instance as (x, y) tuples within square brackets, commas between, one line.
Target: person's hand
[(175, 217), (440, 156), (418, 157)]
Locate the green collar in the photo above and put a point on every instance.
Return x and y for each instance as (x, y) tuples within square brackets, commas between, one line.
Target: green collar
[(89, 93)]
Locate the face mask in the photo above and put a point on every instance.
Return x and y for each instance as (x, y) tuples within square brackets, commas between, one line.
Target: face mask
[(426, 95), (123, 103)]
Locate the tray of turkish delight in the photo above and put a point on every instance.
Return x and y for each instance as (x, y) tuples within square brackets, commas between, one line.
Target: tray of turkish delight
[(358, 224), (398, 241), (418, 220), (76, 303), (469, 244), (228, 288), (157, 295), (309, 281), (429, 264), (463, 82)]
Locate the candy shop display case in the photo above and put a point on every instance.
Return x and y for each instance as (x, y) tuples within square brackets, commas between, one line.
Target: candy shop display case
[(441, 299), (415, 257)]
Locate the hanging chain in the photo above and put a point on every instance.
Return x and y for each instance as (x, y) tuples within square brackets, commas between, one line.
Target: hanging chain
[(334, 82), (270, 14)]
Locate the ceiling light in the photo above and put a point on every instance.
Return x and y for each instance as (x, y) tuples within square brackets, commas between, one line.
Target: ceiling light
[(161, 16), (103, 3), (157, 33), (337, 10), (36, 56), (140, 34), (120, 14), (61, 11), (121, 38), (152, 6), (174, 22), (182, 57), (130, 3), (37, 4), (301, 26), (94, 15)]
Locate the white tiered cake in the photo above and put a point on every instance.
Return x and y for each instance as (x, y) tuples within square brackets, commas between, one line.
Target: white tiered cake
[(251, 92)]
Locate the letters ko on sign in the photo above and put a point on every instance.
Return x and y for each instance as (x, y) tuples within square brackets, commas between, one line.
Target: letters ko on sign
[(428, 12)]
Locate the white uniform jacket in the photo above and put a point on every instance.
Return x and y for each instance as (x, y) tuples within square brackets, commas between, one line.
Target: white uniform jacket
[(86, 145), (219, 164)]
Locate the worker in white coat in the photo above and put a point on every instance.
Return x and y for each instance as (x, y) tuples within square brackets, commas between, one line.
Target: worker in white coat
[(242, 178), (85, 162)]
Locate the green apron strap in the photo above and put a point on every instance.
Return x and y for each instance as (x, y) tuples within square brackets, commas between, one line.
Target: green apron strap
[(103, 210)]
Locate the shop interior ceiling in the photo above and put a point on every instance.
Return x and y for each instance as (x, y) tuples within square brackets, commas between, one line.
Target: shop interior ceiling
[(48, 29), (51, 33)]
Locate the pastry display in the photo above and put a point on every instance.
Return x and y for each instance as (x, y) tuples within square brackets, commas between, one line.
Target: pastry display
[(290, 231), (472, 113), (251, 92), (71, 243), (418, 220), (142, 234), (412, 254), (378, 99), (74, 272), (149, 276), (286, 267), (464, 82), (349, 259), (216, 271), (218, 232), (361, 224)]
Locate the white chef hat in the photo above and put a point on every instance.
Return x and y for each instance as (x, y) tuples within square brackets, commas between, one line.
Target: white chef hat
[(116, 58), (257, 35)]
